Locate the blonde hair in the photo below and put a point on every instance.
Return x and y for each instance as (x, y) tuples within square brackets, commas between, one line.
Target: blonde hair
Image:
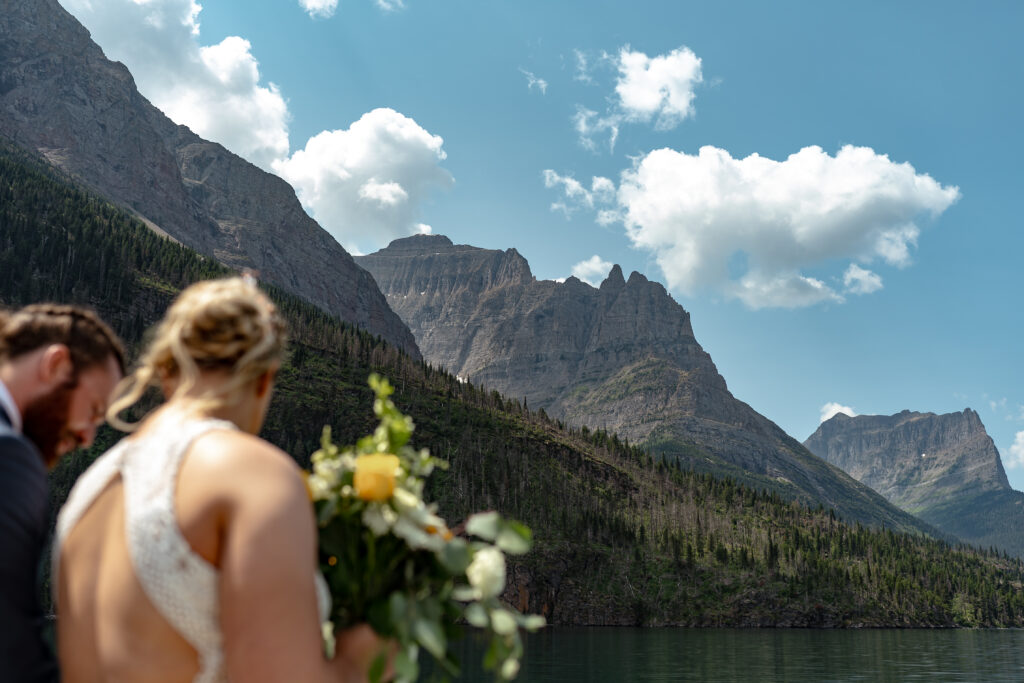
[(224, 324)]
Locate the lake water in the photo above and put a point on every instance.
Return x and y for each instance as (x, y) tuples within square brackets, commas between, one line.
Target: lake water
[(623, 655)]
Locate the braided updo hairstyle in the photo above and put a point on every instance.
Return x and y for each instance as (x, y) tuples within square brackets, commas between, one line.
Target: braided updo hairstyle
[(226, 324)]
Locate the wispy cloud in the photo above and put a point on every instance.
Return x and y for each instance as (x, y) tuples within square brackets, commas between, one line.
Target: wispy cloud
[(859, 280), (320, 9), (390, 5), (830, 410), (1014, 457), (582, 71), (593, 270), (533, 81), (575, 196)]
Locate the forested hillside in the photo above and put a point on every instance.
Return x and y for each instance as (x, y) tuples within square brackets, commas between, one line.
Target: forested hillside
[(621, 538)]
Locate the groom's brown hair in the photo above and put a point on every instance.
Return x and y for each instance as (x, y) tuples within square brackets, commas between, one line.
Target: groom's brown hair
[(90, 340)]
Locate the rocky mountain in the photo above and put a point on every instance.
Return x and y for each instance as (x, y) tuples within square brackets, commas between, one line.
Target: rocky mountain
[(943, 468), (62, 98), (621, 357)]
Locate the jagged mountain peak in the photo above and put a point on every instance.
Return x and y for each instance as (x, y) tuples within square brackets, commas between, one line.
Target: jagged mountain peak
[(614, 281)]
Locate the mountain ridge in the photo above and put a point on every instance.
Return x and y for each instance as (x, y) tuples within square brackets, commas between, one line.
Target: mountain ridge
[(62, 98)]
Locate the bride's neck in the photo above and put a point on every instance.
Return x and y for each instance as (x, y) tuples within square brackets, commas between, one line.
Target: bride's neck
[(245, 411)]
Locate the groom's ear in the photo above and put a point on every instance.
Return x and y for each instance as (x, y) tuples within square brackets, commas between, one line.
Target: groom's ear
[(55, 366)]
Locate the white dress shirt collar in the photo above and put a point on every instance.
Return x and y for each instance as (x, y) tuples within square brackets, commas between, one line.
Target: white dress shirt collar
[(10, 407)]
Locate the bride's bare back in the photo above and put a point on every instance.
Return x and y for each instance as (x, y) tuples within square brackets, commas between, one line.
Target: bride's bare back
[(108, 629)]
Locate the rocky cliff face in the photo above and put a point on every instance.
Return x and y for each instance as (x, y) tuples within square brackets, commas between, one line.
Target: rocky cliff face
[(61, 97), (943, 468), (621, 357)]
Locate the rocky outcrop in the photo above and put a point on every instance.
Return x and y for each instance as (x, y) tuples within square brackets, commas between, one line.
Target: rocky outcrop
[(943, 468), (620, 357), (62, 98)]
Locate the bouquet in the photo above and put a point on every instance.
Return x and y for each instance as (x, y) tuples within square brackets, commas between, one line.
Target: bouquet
[(391, 561)]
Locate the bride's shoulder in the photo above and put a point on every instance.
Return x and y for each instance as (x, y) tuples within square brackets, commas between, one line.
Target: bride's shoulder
[(238, 459)]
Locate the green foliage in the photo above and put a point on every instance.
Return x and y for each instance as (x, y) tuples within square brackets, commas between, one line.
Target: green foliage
[(619, 537)]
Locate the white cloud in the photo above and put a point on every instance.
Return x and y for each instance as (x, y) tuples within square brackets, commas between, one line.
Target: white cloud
[(1015, 453), (699, 214), (215, 90), (658, 90), (592, 271), (830, 410), (391, 5), (319, 8), (533, 82), (365, 184), (859, 280)]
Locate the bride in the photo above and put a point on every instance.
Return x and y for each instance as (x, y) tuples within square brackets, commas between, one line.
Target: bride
[(187, 552)]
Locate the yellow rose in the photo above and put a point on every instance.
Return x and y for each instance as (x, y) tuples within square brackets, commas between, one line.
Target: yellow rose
[(375, 476)]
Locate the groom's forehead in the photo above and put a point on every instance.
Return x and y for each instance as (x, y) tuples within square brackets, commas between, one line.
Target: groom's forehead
[(97, 382)]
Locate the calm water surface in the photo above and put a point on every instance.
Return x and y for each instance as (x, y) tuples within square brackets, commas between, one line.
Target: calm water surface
[(621, 655)]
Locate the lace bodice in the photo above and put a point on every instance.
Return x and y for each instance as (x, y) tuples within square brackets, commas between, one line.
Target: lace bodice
[(181, 584)]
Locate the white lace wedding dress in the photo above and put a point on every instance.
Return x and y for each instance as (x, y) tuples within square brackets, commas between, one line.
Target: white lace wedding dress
[(181, 584)]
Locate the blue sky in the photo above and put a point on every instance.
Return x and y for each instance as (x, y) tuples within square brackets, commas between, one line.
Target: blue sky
[(867, 256)]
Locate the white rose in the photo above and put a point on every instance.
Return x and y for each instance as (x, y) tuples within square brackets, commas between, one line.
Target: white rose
[(486, 573), (319, 487)]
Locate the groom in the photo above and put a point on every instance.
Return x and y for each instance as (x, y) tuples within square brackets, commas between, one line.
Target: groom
[(58, 366)]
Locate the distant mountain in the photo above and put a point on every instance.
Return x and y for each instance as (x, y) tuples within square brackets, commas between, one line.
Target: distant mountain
[(943, 468), (621, 357), (62, 98)]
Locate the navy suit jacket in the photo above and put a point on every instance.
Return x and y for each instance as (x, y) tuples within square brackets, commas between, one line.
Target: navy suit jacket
[(24, 511)]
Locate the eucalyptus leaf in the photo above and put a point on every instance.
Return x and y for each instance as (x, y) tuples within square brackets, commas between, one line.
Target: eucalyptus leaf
[(376, 671), (486, 525), (503, 622), (430, 635), (465, 593), (398, 607), (532, 622), (406, 667), (512, 542), (456, 556), (476, 615)]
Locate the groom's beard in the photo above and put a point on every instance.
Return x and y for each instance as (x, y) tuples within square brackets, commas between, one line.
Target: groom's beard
[(45, 423)]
